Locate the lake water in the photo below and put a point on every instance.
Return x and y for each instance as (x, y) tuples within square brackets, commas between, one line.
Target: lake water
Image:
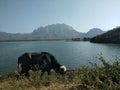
[(68, 53)]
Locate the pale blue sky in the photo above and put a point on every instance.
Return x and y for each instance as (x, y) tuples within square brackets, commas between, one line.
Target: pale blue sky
[(23, 16)]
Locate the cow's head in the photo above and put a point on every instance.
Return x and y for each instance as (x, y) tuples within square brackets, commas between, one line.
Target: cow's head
[(62, 70)]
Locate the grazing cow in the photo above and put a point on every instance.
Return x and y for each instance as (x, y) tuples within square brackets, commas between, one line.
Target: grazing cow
[(43, 61)]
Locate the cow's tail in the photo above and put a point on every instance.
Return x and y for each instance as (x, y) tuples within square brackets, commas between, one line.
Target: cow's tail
[(19, 66)]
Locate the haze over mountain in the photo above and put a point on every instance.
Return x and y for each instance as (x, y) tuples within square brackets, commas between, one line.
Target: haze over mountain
[(54, 31)]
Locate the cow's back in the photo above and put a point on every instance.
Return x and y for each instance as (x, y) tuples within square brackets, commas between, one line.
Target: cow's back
[(42, 59)]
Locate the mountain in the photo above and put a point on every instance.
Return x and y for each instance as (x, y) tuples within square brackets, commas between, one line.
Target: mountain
[(63, 31), (51, 32), (13, 36), (93, 32), (112, 36), (56, 31)]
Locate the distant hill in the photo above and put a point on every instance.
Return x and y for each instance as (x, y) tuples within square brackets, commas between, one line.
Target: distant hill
[(93, 32), (112, 36), (13, 36), (51, 32)]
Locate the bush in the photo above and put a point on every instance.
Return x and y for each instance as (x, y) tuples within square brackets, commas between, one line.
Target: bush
[(106, 77)]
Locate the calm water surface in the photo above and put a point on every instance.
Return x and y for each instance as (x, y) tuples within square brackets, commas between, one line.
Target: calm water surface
[(71, 54)]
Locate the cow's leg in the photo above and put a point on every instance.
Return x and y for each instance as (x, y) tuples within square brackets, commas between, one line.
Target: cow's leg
[(42, 72), (48, 71), (25, 71), (27, 74)]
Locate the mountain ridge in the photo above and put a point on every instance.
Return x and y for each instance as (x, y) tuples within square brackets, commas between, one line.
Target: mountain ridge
[(54, 31)]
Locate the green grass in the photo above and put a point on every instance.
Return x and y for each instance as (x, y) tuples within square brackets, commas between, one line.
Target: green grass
[(106, 77)]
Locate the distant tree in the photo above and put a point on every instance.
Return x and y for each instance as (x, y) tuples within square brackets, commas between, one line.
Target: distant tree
[(75, 39)]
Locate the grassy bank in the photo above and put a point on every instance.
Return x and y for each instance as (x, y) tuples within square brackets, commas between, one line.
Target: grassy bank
[(84, 78)]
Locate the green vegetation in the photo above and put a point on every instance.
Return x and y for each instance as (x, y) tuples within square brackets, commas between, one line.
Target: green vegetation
[(112, 36), (106, 77)]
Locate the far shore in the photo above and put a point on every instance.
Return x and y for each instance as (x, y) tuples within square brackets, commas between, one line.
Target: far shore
[(39, 40), (34, 40)]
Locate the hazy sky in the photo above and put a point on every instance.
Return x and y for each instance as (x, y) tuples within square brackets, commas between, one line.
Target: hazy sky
[(26, 15)]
